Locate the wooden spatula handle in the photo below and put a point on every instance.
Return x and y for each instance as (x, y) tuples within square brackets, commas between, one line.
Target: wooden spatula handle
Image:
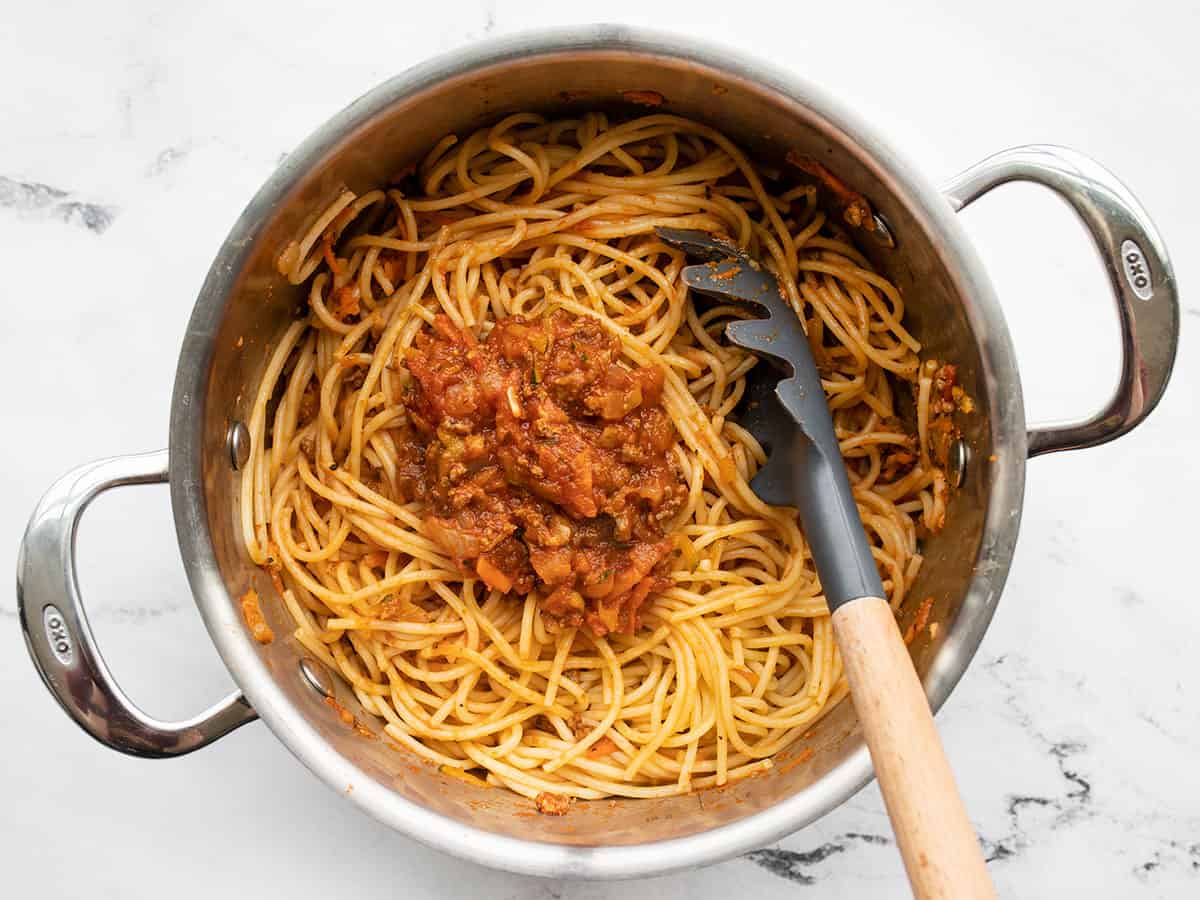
[(940, 849)]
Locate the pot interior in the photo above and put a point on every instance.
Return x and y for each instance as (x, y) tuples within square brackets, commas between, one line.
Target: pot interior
[(394, 127)]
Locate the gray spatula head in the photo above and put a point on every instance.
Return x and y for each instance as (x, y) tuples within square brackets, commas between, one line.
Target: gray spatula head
[(761, 413), (790, 417)]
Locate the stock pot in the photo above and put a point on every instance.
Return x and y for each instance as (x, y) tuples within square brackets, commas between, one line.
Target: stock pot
[(244, 304)]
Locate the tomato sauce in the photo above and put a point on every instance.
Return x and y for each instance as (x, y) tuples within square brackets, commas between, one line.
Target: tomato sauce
[(546, 464)]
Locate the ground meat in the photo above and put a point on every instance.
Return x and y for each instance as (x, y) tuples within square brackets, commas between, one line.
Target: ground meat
[(942, 404), (944, 382), (546, 464), (345, 302), (552, 804)]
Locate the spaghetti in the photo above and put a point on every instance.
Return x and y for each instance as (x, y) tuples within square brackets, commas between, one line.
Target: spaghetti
[(727, 656)]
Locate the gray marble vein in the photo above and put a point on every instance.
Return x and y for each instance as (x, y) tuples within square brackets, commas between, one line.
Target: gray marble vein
[(34, 200), (796, 865)]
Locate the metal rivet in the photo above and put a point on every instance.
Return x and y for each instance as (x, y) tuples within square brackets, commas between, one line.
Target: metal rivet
[(882, 232), (238, 440), (960, 455), (316, 676)]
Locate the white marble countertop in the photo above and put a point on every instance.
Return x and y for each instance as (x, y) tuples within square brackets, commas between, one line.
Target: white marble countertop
[(133, 136)]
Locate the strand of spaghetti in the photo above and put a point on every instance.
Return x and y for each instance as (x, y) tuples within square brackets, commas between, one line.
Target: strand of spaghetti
[(614, 707), (255, 490)]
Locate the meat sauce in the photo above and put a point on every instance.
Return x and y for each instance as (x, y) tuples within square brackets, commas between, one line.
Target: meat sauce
[(545, 464)]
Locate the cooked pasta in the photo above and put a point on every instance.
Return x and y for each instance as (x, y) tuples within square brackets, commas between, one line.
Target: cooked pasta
[(497, 473)]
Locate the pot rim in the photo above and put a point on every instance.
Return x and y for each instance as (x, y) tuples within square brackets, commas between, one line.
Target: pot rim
[(239, 652)]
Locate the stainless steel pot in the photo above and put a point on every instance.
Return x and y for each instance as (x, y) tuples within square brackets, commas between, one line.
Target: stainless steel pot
[(244, 303)]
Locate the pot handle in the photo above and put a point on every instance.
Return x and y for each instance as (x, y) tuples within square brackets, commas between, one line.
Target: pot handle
[(1142, 279), (60, 639)]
